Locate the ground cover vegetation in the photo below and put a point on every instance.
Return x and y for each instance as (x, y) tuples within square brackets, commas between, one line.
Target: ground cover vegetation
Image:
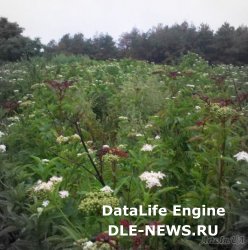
[(77, 134)]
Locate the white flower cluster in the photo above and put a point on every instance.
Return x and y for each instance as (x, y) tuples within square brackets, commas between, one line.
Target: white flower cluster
[(149, 125), (75, 137), (89, 245), (152, 179), (44, 161), (122, 118), (47, 186), (241, 156), (107, 189), (63, 194), (1, 134), (147, 147), (45, 203), (13, 119), (2, 148), (61, 139), (190, 85)]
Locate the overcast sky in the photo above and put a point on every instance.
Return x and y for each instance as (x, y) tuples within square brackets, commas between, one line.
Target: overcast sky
[(50, 19)]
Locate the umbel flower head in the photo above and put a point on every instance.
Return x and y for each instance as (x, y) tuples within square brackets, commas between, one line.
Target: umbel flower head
[(152, 179), (93, 202), (47, 186), (107, 189), (222, 112), (45, 203), (241, 156), (147, 148), (63, 194), (2, 148), (111, 151), (62, 139), (75, 137), (1, 134)]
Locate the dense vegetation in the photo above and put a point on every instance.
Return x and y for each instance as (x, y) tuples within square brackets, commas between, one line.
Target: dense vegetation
[(78, 133), (161, 44)]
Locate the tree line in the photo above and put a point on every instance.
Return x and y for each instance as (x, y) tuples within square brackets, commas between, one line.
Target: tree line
[(160, 44)]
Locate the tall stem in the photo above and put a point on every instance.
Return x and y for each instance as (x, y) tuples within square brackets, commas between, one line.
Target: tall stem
[(98, 174), (222, 162)]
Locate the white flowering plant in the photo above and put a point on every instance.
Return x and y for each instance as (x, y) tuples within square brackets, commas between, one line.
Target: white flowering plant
[(126, 132)]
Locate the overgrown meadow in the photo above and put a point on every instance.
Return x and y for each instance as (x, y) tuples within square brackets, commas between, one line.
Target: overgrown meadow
[(77, 134)]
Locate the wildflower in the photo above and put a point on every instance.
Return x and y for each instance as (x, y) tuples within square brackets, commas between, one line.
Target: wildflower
[(123, 118), (108, 242), (112, 151), (138, 240), (56, 179), (26, 103), (152, 179), (241, 156), (13, 119), (1, 134), (43, 186), (40, 210), (125, 223), (93, 202), (157, 137), (45, 203), (89, 143), (149, 125), (62, 139), (105, 146), (139, 135), (238, 182), (190, 85), (16, 91), (122, 146), (38, 85), (47, 186), (44, 160), (174, 74), (75, 137), (200, 123), (197, 107), (147, 147), (88, 245), (107, 189), (63, 194), (2, 148), (59, 86), (110, 158)]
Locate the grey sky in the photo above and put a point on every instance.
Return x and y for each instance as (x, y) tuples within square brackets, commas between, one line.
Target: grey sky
[(50, 19)]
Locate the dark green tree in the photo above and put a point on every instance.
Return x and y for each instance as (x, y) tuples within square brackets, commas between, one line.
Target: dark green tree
[(241, 42), (14, 46), (204, 44), (103, 47), (224, 44)]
